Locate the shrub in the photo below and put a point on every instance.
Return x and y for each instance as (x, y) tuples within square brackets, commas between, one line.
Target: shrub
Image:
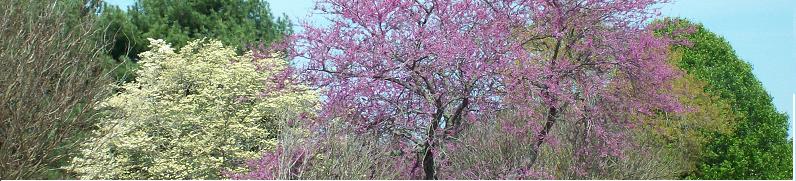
[(190, 114), (318, 150), (50, 78)]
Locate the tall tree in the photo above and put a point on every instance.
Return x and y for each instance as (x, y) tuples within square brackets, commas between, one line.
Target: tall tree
[(421, 70), (758, 147), (122, 34), (234, 22)]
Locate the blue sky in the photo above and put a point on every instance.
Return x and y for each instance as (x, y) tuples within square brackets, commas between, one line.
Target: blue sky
[(762, 32)]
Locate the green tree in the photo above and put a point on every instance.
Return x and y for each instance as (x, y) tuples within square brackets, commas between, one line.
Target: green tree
[(233, 22), (758, 147), (684, 136), (122, 35)]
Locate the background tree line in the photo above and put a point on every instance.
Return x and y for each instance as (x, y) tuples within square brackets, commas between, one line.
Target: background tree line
[(62, 59), (238, 23)]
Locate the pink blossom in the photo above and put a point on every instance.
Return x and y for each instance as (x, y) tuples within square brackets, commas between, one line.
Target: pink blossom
[(426, 66)]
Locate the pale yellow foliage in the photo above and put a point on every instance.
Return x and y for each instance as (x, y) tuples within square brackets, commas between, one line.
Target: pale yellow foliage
[(190, 114)]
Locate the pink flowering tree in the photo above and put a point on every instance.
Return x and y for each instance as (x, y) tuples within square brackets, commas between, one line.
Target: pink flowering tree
[(422, 70), (593, 63), (414, 69)]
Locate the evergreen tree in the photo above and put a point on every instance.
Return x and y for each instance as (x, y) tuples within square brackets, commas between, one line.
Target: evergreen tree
[(234, 22)]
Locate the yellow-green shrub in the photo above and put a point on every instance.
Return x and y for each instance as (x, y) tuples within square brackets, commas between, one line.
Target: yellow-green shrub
[(190, 114)]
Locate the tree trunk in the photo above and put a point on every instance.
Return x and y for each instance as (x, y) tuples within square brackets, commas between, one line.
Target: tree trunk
[(551, 118), (428, 165), (428, 158)]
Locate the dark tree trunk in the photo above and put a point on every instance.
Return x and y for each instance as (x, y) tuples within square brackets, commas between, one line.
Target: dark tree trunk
[(428, 165), (428, 157), (551, 119), (453, 126)]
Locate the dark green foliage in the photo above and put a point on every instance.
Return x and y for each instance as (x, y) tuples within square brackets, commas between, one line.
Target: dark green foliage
[(758, 148), (122, 33), (233, 22)]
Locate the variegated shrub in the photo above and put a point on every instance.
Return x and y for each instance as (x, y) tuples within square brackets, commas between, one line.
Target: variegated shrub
[(191, 114)]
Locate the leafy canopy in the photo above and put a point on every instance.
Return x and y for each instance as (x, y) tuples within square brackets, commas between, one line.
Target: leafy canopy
[(191, 114), (758, 147), (236, 23)]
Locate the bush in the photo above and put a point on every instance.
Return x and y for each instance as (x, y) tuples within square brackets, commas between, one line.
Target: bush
[(190, 114), (50, 78), (317, 150)]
